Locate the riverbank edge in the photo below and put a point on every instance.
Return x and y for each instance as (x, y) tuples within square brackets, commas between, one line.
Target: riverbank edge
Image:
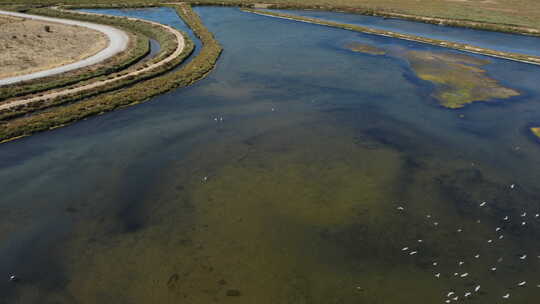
[(366, 30), (138, 48), (195, 70), (168, 46)]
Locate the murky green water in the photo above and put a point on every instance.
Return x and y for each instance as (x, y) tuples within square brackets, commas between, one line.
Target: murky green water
[(278, 180)]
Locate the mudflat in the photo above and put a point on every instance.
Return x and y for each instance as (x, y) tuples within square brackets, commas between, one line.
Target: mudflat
[(29, 46)]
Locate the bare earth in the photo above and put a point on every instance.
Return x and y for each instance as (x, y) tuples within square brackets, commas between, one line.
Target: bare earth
[(27, 47)]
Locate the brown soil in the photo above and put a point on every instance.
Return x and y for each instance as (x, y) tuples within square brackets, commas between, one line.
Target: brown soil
[(29, 46)]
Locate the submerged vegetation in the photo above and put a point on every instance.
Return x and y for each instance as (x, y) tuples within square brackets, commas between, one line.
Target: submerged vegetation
[(196, 69), (364, 48), (459, 79)]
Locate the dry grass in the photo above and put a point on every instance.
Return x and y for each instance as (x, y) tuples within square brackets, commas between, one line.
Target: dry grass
[(27, 46)]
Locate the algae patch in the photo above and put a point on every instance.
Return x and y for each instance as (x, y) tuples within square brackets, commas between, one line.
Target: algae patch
[(459, 79), (536, 131), (364, 48)]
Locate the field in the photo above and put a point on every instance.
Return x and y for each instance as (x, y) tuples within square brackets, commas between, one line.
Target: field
[(515, 12), (28, 45)]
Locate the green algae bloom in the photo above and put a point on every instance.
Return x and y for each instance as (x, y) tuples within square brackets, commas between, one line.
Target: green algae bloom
[(459, 79), (364, 48)]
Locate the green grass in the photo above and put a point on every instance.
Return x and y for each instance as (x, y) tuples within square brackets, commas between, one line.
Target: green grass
[(196, 69)]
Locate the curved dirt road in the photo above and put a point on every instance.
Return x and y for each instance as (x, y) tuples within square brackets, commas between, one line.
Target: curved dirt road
[(180, 45), (118, 42)]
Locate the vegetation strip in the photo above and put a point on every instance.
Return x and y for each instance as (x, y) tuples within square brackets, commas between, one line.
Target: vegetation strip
[(442, 43), (100, 86), (138, 48), (191, 72)]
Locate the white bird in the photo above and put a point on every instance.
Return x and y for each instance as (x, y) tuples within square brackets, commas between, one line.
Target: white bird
[(436, 224), (477, 288), (437, 275), (400, 208), (464, 275), (512, 186), (467, 294), (521, 284), (13, 278), (506, 296), (434, 263), (461, 263), (451, 293), (413, 252), (506, 218), (493, 268), (459, 230), (489, 241), (477, 256), (497, 229), (420, 241), (455, 298), (428, 216), (501, 237), (523, 223), (205, 178), (524, 214), (404, 248), (523, 257), (537, 215), (483, 204)]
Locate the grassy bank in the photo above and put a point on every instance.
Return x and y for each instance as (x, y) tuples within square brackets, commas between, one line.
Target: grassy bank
[(195, 70), (441, 43), (138, 48)]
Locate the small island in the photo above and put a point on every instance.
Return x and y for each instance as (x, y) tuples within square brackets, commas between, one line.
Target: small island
[(364, 48), (459, 78)]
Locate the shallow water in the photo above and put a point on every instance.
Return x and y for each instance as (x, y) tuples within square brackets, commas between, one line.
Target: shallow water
[(277, 180), (493, 40)]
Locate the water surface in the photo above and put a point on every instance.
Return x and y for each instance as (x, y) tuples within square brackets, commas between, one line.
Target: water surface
[(278, 179)]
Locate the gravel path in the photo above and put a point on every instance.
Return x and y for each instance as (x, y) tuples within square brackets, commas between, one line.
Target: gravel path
[(118, 42)]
